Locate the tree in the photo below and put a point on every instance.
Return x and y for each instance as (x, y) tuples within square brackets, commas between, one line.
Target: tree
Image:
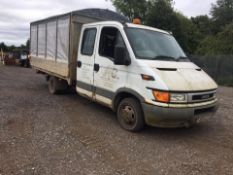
[(28, 45), (3, 47), (221, 44), (161, 15), (12, 48), (189, 36), (222, 14), (220, 39), (203, 23), (132, 8), (201, 34)]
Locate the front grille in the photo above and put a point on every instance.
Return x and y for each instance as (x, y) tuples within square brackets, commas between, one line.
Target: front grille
[(201, 96)]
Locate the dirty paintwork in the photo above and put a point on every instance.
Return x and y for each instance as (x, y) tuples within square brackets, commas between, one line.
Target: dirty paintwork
[(100, 79), (186, 80), (51, 67), (184, 77), (177, 116)]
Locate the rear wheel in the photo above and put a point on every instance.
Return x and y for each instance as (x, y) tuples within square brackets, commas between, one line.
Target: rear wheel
[(22, 62), (56, 86), (27, 63), (130, 115)]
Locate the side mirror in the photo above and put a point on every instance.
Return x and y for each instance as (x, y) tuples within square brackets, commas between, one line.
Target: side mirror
[(121, 57)]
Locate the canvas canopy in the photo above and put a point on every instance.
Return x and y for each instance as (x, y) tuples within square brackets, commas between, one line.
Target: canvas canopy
[(50, 38)]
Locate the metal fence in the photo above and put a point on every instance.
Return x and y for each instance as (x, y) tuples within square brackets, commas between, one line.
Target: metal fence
[(219, 67)]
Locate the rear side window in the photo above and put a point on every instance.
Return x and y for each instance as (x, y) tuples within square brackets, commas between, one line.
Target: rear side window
[(88, 42)]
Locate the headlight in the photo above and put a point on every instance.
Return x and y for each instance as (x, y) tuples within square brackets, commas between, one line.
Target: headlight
[(166, 97), (178, 98), (215, 95)]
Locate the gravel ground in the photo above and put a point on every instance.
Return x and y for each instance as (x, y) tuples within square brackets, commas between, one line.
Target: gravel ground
[(44, 134)]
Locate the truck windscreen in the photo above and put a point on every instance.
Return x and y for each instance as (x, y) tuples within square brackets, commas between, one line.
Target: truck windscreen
[(153, 45)]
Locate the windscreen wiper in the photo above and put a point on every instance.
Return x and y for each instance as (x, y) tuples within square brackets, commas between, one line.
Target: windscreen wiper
[(165, 58), (181, 58)]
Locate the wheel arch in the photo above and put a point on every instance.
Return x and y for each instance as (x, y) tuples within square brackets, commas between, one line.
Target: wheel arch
[(125, 93)]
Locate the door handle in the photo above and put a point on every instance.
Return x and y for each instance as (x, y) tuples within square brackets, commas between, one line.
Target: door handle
[(79, 64), (96, 67)]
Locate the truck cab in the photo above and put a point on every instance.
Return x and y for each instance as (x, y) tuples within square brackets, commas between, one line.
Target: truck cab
[(143, 74)]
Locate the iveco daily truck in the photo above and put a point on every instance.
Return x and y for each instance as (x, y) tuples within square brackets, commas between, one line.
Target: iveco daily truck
[(139, 72)]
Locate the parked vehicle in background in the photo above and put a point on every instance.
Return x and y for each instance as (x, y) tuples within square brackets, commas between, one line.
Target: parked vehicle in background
[(8, 59), (138, 71), (24, 59)]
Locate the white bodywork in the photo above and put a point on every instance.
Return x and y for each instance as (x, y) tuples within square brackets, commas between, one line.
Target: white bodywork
[(110, 78)]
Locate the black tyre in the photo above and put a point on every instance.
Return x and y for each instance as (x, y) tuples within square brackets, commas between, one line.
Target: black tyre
[(130, 115), (27, 64), (53, 85), (56, 85), (22, 62)]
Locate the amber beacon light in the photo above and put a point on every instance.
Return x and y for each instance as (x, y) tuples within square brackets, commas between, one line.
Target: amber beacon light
[(136, 21)]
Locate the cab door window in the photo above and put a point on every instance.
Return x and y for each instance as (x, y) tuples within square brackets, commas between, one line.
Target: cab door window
[(110, 39)]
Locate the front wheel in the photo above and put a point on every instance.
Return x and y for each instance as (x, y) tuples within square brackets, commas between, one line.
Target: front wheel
[(130, 115)]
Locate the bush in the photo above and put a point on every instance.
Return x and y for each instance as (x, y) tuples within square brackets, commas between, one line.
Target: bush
[(222, 43)]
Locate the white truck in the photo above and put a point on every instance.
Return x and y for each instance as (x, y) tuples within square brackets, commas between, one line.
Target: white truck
[(138, 71)]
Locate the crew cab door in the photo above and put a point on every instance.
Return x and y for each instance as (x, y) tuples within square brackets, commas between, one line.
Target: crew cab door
[(85, 62), (108, 77)]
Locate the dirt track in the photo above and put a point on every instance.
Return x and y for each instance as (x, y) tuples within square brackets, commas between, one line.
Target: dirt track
[(66, 134)]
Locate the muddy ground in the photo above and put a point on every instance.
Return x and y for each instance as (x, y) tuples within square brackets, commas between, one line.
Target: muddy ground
[(44, 134)]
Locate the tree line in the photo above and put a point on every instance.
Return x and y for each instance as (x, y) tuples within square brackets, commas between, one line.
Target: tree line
[(13, 48), (200, 35)]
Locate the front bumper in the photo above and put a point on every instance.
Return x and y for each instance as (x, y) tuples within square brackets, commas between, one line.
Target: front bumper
[(172, 117)]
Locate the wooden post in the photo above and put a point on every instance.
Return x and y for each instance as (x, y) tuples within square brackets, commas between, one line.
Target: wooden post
[(1, 58)]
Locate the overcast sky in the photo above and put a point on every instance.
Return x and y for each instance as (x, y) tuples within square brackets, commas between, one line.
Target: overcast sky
[(16, 15)]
